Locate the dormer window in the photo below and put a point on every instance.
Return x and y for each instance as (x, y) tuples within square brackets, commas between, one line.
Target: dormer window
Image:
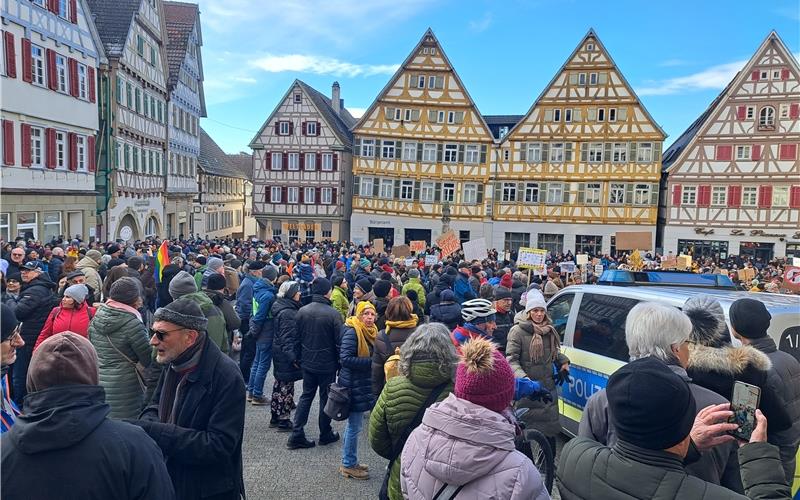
[(298, 98)]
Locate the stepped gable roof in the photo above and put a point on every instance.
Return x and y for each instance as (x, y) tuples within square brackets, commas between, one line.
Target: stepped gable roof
[(180, 19), (341, 123), (113, 21), (213, 160)]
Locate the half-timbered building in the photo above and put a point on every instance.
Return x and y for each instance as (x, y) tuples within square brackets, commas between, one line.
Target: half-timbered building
[(219, 208), (583, 164), (301, 167), (733, 178), (133, 118), (186, 106), (421, 155), (48, 75)]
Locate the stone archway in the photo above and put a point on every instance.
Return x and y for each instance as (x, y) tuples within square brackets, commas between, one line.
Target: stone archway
[(128, 229)]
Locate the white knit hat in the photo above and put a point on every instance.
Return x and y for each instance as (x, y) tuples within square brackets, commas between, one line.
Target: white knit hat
[(534, 300)]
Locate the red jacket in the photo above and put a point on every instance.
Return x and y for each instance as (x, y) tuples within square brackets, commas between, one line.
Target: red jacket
[(66, 320)]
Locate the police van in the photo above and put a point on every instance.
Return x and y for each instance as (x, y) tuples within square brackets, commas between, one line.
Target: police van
[(591, 322)]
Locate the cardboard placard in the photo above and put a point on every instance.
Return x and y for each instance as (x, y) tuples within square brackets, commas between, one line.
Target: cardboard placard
[(582, 259), (401, 251), (791, 278), (431, 260), (377, 245), (475, 250), (531, 258), (567, 267), (448, 243), (598, 269), (669, 262), (633, 240), (684, 262), (747, 274), (418, 246)]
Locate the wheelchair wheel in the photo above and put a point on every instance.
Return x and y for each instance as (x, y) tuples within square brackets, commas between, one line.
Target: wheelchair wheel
[(535, 446)]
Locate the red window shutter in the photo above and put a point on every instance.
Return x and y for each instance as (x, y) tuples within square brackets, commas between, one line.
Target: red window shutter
[(704, 196), (333, 196), (305, 128), (724, 153), (50, 146), (794, 197), (267, 194), (90, 77), (267, 161), (794, 111), (8, 142), (52, 6), (788, 152), (27, 66), (676, 195), (90, 152), (318, 129), (73, 151), (302, 161), (73, 77), (277, 128), (52, 81), (765, 196), (335, 161), (755, 75), (11, 54), (741, 112), (784, 74), (755, 152), (734, 196), (25, 144), (73, 11)]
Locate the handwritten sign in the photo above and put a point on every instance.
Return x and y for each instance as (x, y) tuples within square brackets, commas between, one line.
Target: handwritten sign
[(633, 240), (581, 259), (401, 251), (448, 243), (598, 269), (475, 250), (531, 258), (669, 262), (377, 245), (418, 246), (409, 261), (431, 260), (567, 267), (684, 262)]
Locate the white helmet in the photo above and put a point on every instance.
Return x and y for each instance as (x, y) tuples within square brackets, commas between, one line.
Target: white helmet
[(476, 308)]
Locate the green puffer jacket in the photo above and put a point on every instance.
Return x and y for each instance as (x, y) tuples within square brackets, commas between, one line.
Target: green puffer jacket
[(589, 470), (217, 329), (339, 301), (416, 285), (115, 328), (397, 406)]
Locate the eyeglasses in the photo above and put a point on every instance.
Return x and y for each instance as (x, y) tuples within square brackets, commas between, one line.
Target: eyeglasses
[(161, 334), (17, 254)]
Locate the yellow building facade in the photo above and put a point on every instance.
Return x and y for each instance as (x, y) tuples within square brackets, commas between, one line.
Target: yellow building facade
[(422, 152)]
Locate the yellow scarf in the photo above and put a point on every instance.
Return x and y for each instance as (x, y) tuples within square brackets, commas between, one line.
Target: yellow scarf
[(365, 335), (409, 323)]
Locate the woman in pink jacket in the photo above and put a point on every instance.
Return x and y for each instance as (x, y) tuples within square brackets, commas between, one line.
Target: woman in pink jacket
[(465, 444)]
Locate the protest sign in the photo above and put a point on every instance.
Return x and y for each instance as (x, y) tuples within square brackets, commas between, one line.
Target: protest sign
[(684, 262), (581, 259), (401, 251), (567, 267), (448, 243), (431, 260), (418, 246), (475, 250), (531, 258), (791, 279), (598, 269), (409, 261), (377, 245), (747, 274), (670, 262), (633, 240)]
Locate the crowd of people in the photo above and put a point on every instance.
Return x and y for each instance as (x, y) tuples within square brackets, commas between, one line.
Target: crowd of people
[(431, 359)]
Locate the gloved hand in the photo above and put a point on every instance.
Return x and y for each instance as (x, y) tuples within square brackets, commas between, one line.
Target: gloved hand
[(561, 374), (524, 387)]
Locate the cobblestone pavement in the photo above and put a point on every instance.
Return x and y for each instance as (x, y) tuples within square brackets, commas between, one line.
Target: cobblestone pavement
[(271, 471)]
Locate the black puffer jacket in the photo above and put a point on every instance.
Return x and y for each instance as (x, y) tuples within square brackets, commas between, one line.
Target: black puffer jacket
[(448, 313), (355, 373), (381, 303), (504, 323), (382, 351), (286, 344), (320, 329), (36, 299)]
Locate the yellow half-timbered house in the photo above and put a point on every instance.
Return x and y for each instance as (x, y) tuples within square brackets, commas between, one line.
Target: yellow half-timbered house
[(421, 152), (583, 164)]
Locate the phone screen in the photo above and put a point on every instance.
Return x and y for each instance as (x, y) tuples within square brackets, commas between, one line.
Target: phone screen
[(743, 404)]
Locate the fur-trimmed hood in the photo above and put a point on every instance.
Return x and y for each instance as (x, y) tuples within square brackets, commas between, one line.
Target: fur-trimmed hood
[(728, 360)]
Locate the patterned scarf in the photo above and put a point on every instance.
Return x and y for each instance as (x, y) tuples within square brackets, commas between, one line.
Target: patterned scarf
[(174, 378), (409, 323), (364, 334), (542, 332)]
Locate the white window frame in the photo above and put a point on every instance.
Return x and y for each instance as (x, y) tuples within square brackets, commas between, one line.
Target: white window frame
[(689, 195), (451, 117), (409, 151), (749, 196), (469, 194), (293, 160), (388, 149), (420, 81), (601, 114), (719, 196), (555, 193), (784, 111), (62, 79), (582, 79), (743, 152), (309, 195), (37, 147), (592, 78), (311, 128), (365, 186), (592, 193), (429, 152), (276, 165), (57, 223), (83, 80), (298, 98), (557, 115), (83, 163), (5, 226), (472, 154), (596, 152), (450, 153), (61, 150), (750, 112), (568, 115), (38, 66), (283, 128), (612, 114), (406, 190), (310, 162), (449, 192), (766, 117), (619, 152), (326, 196), (780, 196), (508, 192), (641, 194), (386, 190), (427, 191), (327, 162), (534, 152), (33, 226), (557, 152), (644, 152), (293, 195), (616, 193), (368, 146), (531, 192)]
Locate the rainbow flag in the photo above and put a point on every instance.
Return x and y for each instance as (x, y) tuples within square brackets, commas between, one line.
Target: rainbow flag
[(162, 260)]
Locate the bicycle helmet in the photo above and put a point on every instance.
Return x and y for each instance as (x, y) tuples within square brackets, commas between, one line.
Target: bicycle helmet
[(476, 308)]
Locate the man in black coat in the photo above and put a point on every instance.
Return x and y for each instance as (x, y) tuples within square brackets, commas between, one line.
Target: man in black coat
[(36, 299), (319, 326), (196, 415), (65, 446)]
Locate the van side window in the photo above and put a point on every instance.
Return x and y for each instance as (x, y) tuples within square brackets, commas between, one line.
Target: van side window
[(600, 326), (559, 312), (790, 341)]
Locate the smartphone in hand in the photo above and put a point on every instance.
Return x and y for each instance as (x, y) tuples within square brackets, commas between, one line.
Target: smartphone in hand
[(743, 404)]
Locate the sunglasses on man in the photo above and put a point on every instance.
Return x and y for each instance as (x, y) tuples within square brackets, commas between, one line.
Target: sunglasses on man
[(160, 334)]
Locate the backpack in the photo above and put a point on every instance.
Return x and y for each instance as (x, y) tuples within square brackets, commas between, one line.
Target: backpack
[(391, 368)]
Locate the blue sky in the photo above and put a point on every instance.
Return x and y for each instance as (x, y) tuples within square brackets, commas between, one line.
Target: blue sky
[(677, 55)]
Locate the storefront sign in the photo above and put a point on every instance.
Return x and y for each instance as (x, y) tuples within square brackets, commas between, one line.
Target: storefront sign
[(701, 230), (379, 222)]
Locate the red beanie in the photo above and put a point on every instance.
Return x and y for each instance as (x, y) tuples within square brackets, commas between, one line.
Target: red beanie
[(506, 281), (339, 264), (484, 376)]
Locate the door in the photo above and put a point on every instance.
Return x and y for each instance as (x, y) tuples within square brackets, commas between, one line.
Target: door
[(75, 224), (386, 233), (418, 234)]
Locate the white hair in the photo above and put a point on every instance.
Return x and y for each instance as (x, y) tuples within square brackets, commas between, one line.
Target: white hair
[(651, 329)]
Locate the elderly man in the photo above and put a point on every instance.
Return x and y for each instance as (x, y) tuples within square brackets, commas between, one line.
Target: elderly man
[(197, 411), (662, 332), (56, 264)]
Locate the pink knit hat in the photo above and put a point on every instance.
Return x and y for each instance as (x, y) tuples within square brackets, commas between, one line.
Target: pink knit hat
[(484, 377)]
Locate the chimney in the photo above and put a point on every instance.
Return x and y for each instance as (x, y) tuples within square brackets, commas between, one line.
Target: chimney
[(336, 102)]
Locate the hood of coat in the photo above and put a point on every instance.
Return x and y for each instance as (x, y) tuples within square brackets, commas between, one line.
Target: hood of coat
[(41, 280), (466, 441), (728, 360), (217, 297), (109, 320), (425, 373), (59, 417), (283, 303), (87, 262)]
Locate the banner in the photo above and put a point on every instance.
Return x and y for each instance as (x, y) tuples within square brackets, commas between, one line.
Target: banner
[(418, 246), (475, 250), (567, 267), (431, 260), (633, 240), (401, 251), (448, 243), (791, 279), (531, 258), (582, 259), (377, 245)]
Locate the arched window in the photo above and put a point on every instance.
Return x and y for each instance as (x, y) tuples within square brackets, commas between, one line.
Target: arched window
[(766, 117), (151, 229)]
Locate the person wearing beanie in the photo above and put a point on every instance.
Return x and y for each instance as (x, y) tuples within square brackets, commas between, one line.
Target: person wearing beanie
[(66, 430), (120, 337), (381, 289), (261, 328), (355, 355), (533, 349), (90, 265), (244, 307), (339, 295), (131, 269), (550, 289), (504, 317), (11, 341), (286, 355), (184, 286), (73, 315), (471, 422), (750, 321), (196, 415), (215, 290), (653, 411), (479, 322), (363, 291), (319, 327), (462, 288), (507, 281), (446, 310), (414, 283)]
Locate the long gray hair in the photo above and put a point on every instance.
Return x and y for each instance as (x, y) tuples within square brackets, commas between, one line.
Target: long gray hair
[(430, 342)]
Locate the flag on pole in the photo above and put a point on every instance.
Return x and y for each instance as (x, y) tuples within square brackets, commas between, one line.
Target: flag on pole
[(162, 260)]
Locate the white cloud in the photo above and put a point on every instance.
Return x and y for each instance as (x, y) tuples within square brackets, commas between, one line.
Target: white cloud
[(673, 62), (356, 112), (482, 24), (715, 77), (319, 65)]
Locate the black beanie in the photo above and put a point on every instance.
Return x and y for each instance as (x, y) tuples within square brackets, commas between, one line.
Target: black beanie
[(8, 322), (126, 290), (749, 318), (183, 312), (320, 286), (337, 279), (381, 288), (269, 273), (502, 292), (216, 282), (364, 284), (649, 405)]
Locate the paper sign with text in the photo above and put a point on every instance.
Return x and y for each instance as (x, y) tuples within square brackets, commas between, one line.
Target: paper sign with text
[(448, 243), (475, 250), (418, 246), (531, 258)]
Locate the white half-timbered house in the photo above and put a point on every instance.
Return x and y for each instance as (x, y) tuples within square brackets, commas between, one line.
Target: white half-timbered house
[(219, 208), (48, 79), (301, 167), (733, 177)]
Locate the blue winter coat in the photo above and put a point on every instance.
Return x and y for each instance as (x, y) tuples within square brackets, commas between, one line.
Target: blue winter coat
[(356, 372), (261, 323), (304, 272), (244, 301), (463, 290)]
